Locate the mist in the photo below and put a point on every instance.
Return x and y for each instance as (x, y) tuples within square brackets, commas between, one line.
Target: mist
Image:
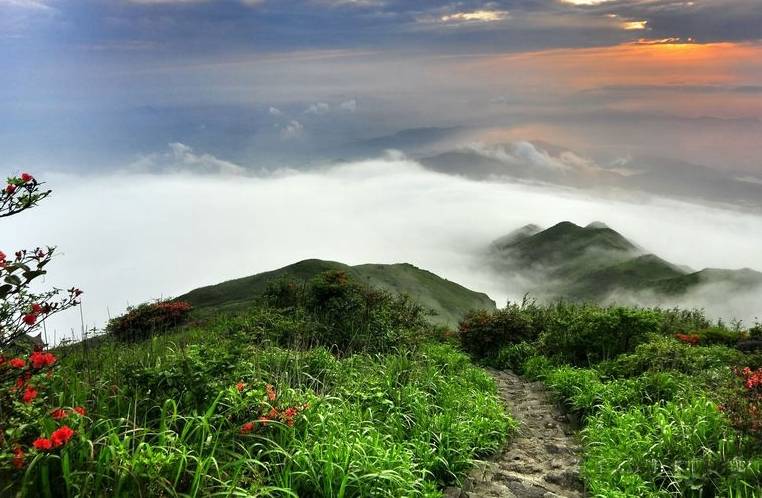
[(130, 237)]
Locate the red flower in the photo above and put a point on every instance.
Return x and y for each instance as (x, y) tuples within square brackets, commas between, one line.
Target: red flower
[(58, 414), (40, 359), (2, 255), (720, 407), (61, 436), (80, 410), (26, 177), (18, 461), (42, 444), (30, 319), (17, 363), (36, 308), (240, 386), (10, 189), (271, 395), (247, 428), (29, 395), (264, 421)]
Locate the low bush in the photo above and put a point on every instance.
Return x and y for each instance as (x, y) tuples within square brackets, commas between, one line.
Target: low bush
[(148, 319), (512, 357), (670, 354), (721, 335), (584, 335), (483, 332)]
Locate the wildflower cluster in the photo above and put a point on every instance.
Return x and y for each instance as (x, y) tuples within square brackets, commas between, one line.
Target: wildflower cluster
[(268, 409), (743, 404), (26, 425), (20, 310), (24, 420), (692, 339)]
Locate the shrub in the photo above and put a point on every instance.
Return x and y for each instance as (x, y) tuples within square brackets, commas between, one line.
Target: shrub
[(583, 335), (755, 332), (32, 436), (721, 335), (742, 403), (512, 357), (148, 319), (670, 354), (482, 332)]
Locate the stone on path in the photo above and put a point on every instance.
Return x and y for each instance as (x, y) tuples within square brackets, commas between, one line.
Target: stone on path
[(540, 461)]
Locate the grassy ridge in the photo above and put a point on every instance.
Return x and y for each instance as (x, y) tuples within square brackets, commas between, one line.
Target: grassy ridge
[(448, 300)]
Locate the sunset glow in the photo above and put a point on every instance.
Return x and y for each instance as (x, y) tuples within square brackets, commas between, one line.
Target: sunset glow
[(634, 25), (479, 15)]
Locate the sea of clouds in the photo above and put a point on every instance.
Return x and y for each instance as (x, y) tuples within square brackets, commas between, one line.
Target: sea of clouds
[(170, 224)]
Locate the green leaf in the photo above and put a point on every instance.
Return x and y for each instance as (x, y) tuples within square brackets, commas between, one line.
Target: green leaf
[(31, 275), (13, 280)]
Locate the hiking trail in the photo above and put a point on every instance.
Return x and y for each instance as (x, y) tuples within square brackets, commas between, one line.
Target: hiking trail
[(541, 461)]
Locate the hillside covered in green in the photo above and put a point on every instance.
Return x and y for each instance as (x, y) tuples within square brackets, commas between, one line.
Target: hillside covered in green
[(597, 264), (448, 300)]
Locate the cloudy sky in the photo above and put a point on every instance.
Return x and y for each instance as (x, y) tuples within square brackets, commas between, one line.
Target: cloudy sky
[(138, 112)]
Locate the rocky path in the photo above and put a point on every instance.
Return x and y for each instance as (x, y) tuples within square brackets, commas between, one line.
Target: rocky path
[(541, 461)]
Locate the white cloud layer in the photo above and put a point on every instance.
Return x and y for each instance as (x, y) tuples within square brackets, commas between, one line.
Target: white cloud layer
[(182, 159), (129, 238)]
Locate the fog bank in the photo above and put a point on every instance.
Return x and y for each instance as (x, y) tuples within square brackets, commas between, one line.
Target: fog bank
[(131, 237)]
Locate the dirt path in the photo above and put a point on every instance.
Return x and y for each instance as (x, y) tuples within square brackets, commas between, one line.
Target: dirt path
[(540, 462)]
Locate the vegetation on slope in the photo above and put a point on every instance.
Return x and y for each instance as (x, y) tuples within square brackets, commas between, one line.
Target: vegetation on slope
[(365, 400), (669, 405), (597, 264), (449, 301)]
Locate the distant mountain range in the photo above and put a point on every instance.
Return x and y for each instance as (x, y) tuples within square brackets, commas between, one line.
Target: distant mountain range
[(597, 264), (539, 161), (448, 300), (592, 263)]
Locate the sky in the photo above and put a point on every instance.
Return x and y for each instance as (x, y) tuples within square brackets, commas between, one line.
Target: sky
[(157, 123)]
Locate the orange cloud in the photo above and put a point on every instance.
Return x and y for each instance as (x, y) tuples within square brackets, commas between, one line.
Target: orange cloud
[(642, 62)]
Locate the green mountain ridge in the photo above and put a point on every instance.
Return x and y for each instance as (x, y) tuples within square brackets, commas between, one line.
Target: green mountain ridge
[(448, 300), (594, 263)]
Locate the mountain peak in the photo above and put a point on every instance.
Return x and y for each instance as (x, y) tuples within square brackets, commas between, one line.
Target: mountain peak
[(597, 225)]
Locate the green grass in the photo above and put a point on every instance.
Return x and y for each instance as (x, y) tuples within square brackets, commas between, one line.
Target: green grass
[(164, 418)]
